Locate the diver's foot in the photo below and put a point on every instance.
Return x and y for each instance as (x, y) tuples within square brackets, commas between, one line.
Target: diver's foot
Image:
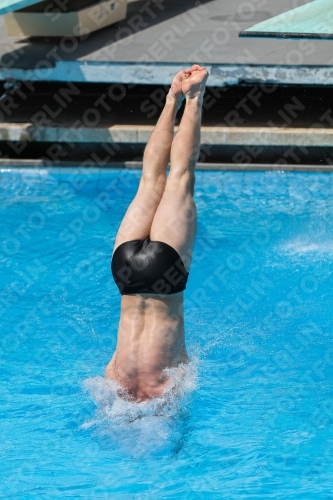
[(175, 93), (194, 83)]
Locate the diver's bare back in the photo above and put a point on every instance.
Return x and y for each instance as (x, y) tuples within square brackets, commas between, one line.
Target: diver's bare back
[(150, 339), (154, 245)]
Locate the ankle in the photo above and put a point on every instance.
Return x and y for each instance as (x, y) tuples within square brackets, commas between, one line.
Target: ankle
[(174, 99), (196, 100)]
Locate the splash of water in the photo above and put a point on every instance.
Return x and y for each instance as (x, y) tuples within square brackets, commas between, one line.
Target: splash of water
[(147, 427), (301, 246)]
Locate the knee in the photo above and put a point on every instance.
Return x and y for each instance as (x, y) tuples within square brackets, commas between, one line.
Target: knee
[(183, 179), (152, 183)]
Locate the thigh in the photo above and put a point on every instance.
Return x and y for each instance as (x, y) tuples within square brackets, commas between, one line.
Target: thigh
[(137, 222), (175, 221)]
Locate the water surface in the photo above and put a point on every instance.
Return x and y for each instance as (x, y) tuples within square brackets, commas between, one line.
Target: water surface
[(255, 417)]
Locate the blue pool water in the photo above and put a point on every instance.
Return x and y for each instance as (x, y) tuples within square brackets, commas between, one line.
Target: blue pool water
[(254, 420)]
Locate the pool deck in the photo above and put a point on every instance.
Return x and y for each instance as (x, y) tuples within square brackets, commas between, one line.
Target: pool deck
[(42, 166), (159, 37), (134, 134)]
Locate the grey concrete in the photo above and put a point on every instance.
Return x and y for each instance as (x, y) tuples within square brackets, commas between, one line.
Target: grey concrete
[(118, 134), (164, 35), (162, 74), (31, 166)]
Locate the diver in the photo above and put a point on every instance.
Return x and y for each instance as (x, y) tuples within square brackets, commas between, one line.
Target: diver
[(153, 248)]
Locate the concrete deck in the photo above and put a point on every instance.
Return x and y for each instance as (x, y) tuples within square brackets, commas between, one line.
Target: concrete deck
[(134, 134), (45, 167), (159, 37)]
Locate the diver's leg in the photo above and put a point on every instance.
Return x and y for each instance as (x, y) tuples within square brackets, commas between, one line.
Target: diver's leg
[(175, 219), (138, 219)]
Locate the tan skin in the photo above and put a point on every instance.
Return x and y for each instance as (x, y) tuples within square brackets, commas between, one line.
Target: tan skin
[(151, 334)]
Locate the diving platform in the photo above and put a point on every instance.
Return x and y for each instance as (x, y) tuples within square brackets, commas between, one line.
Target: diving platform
[(159, 37), (312, 20)]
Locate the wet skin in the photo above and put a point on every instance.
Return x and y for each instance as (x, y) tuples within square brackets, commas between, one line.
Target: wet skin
[(150, 338), (151, 327)]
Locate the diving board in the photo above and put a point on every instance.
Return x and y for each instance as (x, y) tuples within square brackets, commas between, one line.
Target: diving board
[(51, 18), (12, 5), (312, 20)]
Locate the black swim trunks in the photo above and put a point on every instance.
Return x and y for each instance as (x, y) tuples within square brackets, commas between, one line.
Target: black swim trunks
[(145, 266)]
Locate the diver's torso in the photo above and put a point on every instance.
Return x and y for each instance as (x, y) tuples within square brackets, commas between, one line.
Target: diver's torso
[(150, 339)]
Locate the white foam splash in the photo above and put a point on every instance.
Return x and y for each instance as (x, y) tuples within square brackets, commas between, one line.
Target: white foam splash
[(301, 247), (144, 427), (110, 405)]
